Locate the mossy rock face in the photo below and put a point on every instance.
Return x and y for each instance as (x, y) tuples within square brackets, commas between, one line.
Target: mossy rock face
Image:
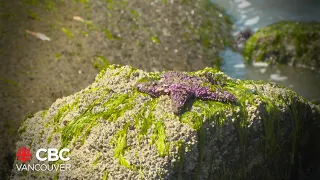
[(116, 132), (286, 42)]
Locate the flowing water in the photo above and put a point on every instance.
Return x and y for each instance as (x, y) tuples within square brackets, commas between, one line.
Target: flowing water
[(255, 14)]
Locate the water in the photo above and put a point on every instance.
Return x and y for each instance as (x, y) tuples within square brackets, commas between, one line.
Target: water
[(259, 13)]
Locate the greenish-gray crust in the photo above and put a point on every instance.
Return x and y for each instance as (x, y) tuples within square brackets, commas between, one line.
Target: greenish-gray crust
[(286, 42), (126, 134), (191, 31)]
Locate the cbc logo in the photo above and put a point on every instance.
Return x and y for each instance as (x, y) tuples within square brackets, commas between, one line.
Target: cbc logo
[(52, 154)]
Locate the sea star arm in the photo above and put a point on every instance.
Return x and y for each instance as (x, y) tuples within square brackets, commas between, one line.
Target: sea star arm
[(179, 95), (150, 88), (222, 96)]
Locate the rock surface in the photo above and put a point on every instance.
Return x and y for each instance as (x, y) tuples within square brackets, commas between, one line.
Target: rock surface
[(116, 132), (164, 34), (147, 34), (286, 42)]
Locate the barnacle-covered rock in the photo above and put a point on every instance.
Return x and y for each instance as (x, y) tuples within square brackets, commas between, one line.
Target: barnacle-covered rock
[(163, 34), (114, 131), (286, 42)]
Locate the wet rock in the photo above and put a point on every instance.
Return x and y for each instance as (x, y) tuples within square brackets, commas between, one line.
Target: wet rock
[(164, 35), (270, 133), (242, 37), (286, 42)]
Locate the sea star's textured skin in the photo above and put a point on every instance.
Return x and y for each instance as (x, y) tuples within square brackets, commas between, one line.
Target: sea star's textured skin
[(181, 87)]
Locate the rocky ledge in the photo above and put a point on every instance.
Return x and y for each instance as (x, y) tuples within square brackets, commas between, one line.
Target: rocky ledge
[(121, 127), (286, 42)]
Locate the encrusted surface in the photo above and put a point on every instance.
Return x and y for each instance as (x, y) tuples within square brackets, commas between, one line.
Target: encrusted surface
[(286, 42), (116, 132)]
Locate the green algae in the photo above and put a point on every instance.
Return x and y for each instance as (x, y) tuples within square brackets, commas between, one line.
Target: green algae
[(11, 82), (120, 143), (30, 115), (49, 5), (33, 15), (272, 129), (64, 110), (31, 2), (216, 111), (75, 127), (124, 101), (101, 62), (22, 129), (155, 39), (114, 107), (67, 32), (159, 138), (100, 75), (57, 56), (56, 176), (285, 42), (97, 158), (145, 118), (105, 175), (181, 150), (108, 34), (135, 14), (10, 16)]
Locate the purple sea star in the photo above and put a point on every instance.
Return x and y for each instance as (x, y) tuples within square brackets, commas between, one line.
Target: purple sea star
[(181, 87)]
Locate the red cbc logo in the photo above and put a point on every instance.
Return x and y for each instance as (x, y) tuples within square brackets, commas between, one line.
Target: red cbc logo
[(24, 154)]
